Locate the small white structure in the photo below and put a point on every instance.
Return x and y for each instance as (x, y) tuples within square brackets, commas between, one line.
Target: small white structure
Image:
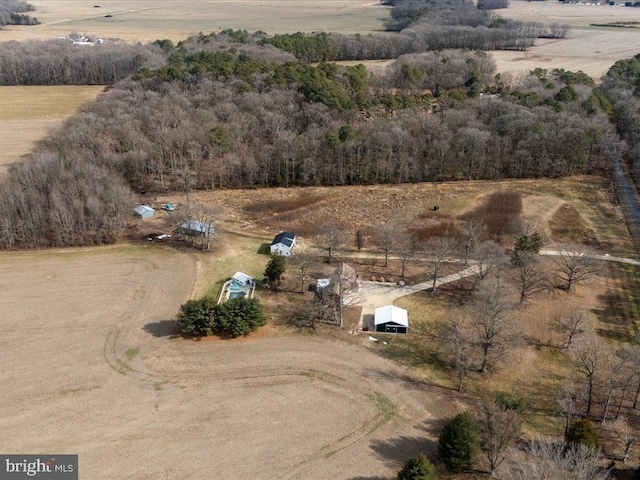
[(242, 279), (283, 244), (197, 229), (391, 319), (143, 211), (240, 285)]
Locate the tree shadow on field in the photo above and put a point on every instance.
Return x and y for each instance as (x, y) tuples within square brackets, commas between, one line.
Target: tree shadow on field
[(397, 450), (163, 328)]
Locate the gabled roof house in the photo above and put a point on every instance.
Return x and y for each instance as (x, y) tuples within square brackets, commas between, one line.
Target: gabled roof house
[(283, 244)]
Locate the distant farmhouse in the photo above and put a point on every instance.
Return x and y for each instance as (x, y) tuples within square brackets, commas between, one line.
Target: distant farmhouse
[(143, 211), (283, 244)]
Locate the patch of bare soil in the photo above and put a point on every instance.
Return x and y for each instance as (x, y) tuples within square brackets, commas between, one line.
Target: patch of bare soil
[(567, 226)]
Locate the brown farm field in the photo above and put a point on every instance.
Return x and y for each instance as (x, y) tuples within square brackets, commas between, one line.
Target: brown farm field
[(590, 49), (149, 20), (91, 366), (29, 113)]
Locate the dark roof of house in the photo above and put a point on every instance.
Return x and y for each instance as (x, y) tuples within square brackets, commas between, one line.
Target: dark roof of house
[(285, 238)]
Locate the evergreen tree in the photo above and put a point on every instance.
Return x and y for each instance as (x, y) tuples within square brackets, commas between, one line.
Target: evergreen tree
[(458, 442), (526, 244), (582, 433), (417, 468), (274, 271), (198, 317), (240, 316)]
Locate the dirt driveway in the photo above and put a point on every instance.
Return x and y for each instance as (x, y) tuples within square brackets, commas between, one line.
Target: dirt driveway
[(89, 365)]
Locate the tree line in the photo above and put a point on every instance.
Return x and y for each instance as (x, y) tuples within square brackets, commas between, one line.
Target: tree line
[(60, 62), (621, 86), (62, 201), (13, 12)]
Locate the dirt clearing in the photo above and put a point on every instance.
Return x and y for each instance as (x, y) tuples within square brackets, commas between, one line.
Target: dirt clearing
[(90, 365), (29, 113)]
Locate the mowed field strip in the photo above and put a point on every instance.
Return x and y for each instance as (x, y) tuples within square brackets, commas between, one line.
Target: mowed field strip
[(590, 49), (28, 113), (149, 20), (89, 367)]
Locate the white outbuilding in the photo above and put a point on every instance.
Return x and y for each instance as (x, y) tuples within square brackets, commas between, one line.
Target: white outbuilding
[(283, 244), (143, 211), (391, 319)]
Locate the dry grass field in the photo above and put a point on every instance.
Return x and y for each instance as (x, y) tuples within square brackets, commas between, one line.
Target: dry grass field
[(28, 113), (91, 365), (148, 20), (268, 211), (590, 49)]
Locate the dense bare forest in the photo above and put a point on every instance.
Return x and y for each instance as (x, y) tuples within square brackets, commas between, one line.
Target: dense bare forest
[(60, 62)]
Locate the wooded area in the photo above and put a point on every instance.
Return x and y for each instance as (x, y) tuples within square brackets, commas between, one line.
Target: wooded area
[(229, 113), (60, 62), (12, 12)]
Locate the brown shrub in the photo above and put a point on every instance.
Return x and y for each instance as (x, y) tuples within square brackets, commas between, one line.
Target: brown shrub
[(497, 211), (267, 207), (441, 229)]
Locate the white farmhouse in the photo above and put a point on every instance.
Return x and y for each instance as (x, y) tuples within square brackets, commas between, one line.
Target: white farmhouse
[(283, 244)]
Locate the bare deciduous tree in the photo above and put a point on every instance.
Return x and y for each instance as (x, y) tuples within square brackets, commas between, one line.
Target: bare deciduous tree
[(302, 260), (488, 255), (471, 231), (627, 436), (575, 265), (438, 250), (631, 372), (499, 429), (569, 324), (458, 347), (386, 240), (492, 317), (332, 237), (406, 251), (529, 276), (587, 355), (546, 460)]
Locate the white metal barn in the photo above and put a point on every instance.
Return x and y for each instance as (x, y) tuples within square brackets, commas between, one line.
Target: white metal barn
[(143, 211), (391, 319)]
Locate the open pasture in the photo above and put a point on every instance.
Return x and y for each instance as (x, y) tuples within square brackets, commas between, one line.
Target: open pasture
[(28, 113), (302, 210), (148, 20), (590, 49), (91, 365)]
